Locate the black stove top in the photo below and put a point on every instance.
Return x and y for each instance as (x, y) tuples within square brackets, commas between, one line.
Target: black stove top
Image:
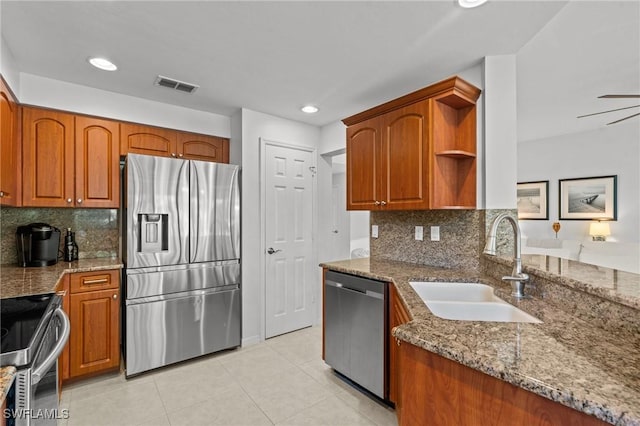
[(20, 319)]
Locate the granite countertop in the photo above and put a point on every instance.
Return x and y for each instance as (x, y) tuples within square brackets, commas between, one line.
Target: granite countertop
[(7, 374), (16, 281), (564, 359)]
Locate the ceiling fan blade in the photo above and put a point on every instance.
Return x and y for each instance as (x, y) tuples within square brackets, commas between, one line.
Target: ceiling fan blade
[(618, 96), (611, 110), (622, 119)]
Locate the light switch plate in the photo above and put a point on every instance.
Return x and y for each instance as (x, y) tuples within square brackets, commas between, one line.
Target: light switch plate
[(435, 233), (419, 233), (374, 231)]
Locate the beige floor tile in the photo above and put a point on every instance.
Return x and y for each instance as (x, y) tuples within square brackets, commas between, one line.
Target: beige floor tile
[(127, 405), (156, 421), (257, 363), (328, 412), (286, 394), (101, 384), (229, 408)]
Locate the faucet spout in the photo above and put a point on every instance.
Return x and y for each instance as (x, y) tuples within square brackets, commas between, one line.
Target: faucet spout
[(517, 277)]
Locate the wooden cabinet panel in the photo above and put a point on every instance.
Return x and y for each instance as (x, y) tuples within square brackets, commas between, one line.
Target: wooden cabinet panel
[(406, 151), (10, 152), (141, 139), (438, 391), (202, 147), (93, 281), (48, 158), (95, 332), (97, 177), (363, 164), (397, 316)]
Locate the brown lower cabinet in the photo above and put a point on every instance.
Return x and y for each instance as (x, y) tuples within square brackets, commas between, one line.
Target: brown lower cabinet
[(92, 302), (434, 390)]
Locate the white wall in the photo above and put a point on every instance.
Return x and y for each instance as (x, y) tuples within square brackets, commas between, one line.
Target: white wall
[(333, 138), (46, 92), (500, 132), (8, 68), (256, 125), (614, 150)]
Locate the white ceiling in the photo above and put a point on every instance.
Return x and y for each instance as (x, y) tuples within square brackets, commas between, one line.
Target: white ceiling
[(343, 57)]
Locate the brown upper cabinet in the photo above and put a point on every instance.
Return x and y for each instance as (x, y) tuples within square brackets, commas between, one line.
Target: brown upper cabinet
[(417, 152), (69, 160), (142, 139), (10, 152)]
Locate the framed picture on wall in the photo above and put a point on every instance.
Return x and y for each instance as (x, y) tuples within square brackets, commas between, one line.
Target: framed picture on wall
[(533, 200), (589, 198)]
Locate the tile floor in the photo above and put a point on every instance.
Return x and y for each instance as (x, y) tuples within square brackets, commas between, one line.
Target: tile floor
[(282, 381)]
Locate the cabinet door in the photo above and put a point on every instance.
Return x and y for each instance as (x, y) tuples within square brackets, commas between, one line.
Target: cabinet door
[(141, 139), (203, 147), (95, 332), (406, 154), (48, 164), (10, 175), (97, 163), (364, 165)]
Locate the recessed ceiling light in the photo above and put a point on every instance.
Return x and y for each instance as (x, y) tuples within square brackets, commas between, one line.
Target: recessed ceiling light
[(309, 109), (471, 3), (103, 64)]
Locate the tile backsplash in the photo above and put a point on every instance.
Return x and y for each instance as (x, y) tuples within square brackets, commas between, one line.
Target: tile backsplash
[(96, 229), (462, 237)]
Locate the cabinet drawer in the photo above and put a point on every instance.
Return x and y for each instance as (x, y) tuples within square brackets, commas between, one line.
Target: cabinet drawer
[(92, 281)]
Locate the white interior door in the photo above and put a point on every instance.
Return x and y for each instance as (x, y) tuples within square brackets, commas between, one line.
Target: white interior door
[(340, 219), (288, 239)]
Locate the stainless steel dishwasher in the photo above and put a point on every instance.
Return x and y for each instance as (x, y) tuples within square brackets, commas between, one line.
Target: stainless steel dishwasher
[(355, 312)]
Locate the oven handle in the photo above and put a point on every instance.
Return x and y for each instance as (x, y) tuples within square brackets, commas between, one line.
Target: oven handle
[(42, 369)]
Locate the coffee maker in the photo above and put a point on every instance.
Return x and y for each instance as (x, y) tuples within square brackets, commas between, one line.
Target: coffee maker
[(38, 244)]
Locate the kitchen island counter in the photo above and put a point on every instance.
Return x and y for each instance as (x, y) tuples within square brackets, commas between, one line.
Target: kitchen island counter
[(564, 359), (17, 281)]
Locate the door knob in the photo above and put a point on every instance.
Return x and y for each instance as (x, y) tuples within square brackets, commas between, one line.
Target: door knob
[(270, 250), (335, 231)]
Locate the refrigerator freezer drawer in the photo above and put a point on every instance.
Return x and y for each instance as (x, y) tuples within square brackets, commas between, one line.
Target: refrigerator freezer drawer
[(180, 279), (168, 331)]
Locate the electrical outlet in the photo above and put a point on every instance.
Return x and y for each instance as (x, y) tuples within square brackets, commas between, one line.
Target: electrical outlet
[(419, 233), (435, 233), (374, 231)]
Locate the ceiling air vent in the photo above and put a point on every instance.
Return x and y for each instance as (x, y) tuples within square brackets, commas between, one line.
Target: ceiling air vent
[(172, 83)]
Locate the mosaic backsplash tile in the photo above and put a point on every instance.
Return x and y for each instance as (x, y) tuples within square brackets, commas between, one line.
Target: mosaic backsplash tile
[(96, 229)]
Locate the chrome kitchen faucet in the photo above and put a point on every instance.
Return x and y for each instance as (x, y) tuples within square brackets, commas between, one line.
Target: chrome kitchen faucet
[(517, 277)]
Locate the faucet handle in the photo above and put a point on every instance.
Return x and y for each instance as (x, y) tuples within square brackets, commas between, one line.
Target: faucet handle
[(516, 277)]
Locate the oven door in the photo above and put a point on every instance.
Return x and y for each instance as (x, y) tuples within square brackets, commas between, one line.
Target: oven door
[(37, 386)]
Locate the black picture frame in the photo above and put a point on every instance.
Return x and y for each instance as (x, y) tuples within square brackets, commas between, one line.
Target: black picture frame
[(588, 198), (533, 200)]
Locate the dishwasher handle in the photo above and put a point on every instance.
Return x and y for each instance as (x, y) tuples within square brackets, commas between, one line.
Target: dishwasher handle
[(368, 293)]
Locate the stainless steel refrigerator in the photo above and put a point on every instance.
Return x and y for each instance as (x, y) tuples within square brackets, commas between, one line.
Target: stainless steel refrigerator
[(181, 248)]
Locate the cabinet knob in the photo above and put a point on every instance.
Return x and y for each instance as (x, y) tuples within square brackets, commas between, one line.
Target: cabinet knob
[(115, 296), (173, 154), (377, 203), (180, 155), (1, 194), (69, 200), (384, 203), (79, 201)]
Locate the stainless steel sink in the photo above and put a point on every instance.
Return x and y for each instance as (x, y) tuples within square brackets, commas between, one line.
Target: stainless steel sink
[(463, 301)]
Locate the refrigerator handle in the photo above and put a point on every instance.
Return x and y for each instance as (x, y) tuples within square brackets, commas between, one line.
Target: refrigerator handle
[(193, 207)]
